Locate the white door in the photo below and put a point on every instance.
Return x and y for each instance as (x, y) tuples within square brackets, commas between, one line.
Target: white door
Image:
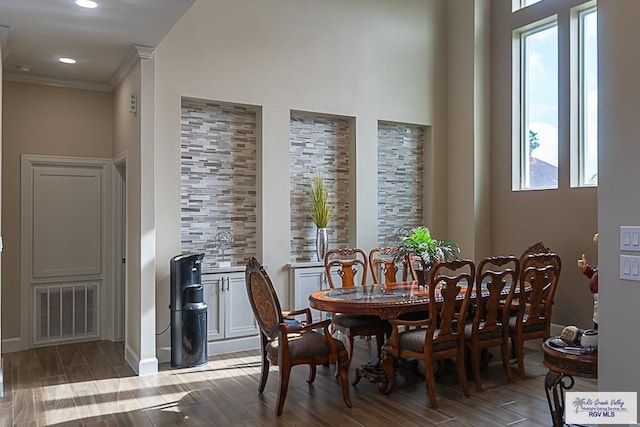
[(65, 237)]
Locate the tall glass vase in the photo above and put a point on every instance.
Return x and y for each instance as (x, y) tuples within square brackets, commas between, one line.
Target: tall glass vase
[(423, 275), (322, 243)]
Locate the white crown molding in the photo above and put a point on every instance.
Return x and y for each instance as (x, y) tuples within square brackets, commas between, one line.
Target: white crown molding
[(4, 35), (136, 53), (50, 81)]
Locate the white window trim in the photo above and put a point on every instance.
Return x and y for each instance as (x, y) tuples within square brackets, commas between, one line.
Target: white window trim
[(577, 138)]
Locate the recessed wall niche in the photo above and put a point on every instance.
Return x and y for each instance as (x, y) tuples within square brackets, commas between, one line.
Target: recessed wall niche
[(318, 144), (218, 180), (400, 179)]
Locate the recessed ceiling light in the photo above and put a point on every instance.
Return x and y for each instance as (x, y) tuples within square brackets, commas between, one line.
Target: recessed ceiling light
[(67, 60), (87, 3)]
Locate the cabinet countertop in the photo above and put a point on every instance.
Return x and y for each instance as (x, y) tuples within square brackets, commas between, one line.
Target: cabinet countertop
[(223, 270)]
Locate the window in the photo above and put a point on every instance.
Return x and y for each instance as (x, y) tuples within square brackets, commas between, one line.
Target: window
[(555, 97), (537, 96), (587, 161), (520, 4)]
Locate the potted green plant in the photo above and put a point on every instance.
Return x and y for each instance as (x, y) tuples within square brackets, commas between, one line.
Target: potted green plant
[(320, 212), (420, 243)]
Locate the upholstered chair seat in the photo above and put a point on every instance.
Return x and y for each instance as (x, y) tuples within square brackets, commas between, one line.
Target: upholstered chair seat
[(305, 345)]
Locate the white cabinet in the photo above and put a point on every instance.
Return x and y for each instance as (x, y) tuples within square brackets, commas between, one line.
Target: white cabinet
[(304, 279), (229, 311)]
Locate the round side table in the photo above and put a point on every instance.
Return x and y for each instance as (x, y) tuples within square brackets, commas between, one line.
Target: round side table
[(564, 363)]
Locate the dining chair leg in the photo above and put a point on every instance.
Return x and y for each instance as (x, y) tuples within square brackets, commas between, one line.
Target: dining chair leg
[(430, 382), (265, 365), (462, 376), (475, 365), (312, 373), (505, 360), (350, 345), (343, 369), (285, 371), (520, 356)]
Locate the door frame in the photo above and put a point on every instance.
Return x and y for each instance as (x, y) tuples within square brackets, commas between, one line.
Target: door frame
[(118, 291)]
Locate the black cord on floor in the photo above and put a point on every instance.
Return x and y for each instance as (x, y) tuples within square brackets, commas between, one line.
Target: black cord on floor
[(165, 329)]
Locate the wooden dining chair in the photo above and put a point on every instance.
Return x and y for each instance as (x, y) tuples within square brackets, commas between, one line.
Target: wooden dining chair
[(495, 277), (350, 266), (540, 272), (536, 248), (287, 346), (440, 336), (384, 268)]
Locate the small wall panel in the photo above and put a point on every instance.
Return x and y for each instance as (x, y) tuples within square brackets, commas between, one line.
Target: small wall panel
[(67, 220)]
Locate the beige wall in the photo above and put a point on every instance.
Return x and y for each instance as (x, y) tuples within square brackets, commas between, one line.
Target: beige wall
[(618, 202), (468, 120), (565, 219), (372, 60), (43, 120)]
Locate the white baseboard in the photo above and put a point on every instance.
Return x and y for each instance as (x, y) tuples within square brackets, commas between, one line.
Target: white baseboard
[(163, 354), (1, 378), (11, 345), (131, 357), (141, 367), (148, 366), (216, 347), (233, 345)]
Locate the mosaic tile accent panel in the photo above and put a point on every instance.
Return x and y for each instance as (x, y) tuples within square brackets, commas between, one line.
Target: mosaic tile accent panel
[(218, 180), (400, 179), (318, 144)]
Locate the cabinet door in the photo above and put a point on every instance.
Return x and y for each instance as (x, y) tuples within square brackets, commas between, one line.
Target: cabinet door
[(306, 282), (239, 315), (214, 298)]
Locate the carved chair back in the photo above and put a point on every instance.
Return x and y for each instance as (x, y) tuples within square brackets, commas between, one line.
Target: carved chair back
[(263, 299), (384, 269), (494, 276), (349, 264), (447, 312)]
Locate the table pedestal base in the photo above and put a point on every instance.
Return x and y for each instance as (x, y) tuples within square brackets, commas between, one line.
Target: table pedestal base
[(374, 372), (555, 383)]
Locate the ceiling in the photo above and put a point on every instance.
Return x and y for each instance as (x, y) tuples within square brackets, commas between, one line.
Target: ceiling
[(100, 39)]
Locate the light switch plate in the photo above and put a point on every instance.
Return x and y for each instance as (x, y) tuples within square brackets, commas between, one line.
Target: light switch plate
[(630, 238), (630, 267)]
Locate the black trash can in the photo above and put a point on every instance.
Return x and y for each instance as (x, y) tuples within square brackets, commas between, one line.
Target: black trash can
[(188, 312)]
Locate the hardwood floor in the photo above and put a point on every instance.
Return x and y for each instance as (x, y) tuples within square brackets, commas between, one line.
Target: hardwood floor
[(89, 384)]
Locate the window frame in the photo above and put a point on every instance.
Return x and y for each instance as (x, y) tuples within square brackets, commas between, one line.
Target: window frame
[(578, 137)]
